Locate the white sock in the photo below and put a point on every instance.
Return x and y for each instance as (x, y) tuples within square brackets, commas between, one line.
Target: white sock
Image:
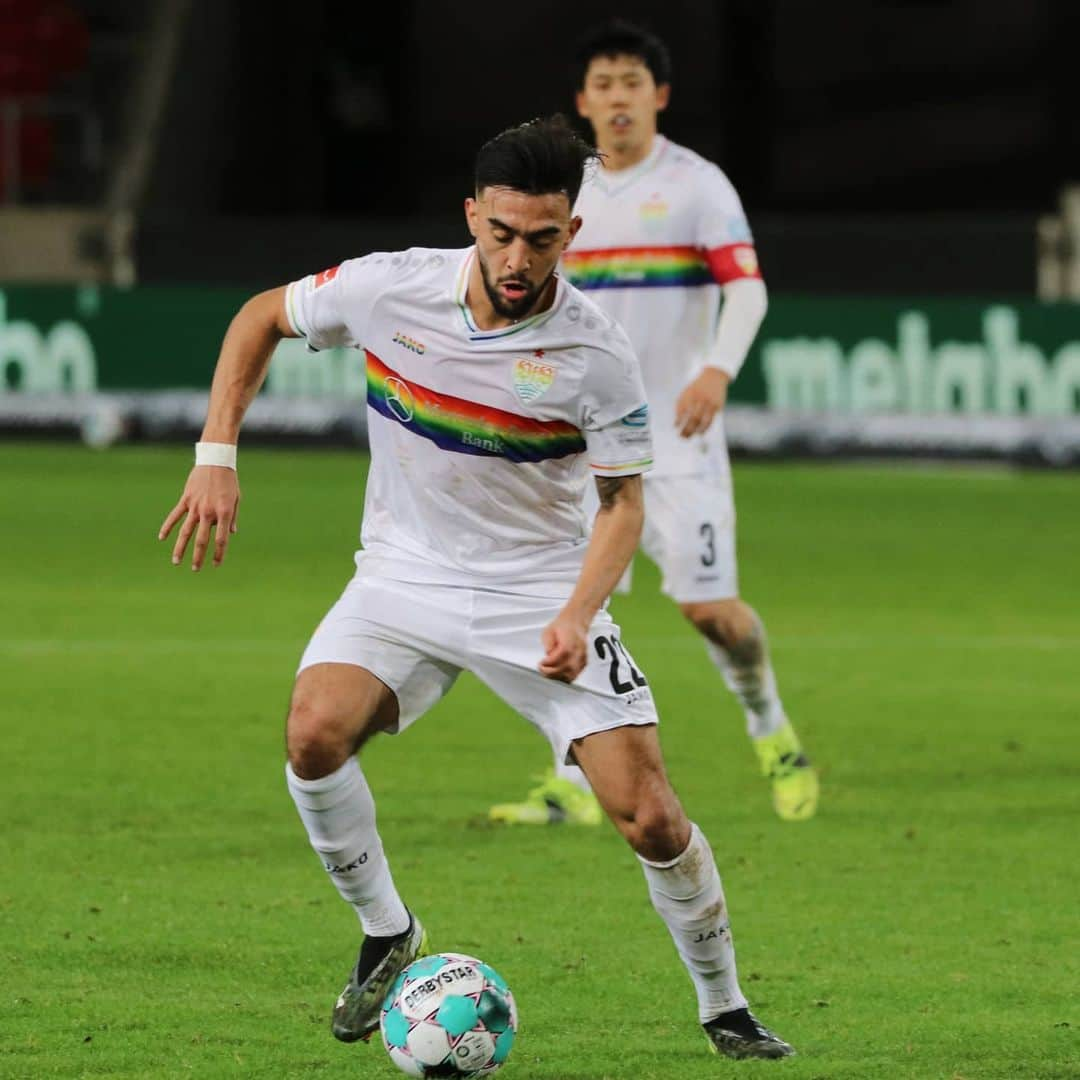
[(339, 815), (749, 675), (687, 895)]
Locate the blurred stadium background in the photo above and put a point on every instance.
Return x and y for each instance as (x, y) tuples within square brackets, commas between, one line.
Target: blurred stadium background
[(909, 170)]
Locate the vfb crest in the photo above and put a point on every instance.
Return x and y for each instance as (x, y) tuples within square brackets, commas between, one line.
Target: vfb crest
[(532, 377)]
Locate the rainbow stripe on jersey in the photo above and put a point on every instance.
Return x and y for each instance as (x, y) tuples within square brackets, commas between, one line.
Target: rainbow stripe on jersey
[(637, 267), (465, 427)]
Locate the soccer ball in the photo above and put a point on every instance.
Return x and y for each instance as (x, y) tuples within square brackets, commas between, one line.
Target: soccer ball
[(448, 1015)]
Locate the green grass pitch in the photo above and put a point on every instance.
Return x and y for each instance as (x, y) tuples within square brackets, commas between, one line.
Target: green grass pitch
[(162, 916)]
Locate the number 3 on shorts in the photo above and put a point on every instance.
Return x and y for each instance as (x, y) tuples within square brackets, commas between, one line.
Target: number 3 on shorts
[(708, 535), (611, 648)]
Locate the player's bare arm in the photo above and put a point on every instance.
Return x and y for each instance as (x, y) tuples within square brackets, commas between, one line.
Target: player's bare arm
[(212, 494), (615, 536)]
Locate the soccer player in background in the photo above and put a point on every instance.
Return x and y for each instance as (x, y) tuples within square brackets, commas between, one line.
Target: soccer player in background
[(494, 387), (663, 237)]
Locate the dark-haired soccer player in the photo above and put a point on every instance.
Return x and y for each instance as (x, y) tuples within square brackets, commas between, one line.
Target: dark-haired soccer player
[(494, 387), (664, 236)]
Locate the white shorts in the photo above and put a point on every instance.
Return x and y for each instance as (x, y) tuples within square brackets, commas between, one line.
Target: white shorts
[(689, 533), (417, 638)]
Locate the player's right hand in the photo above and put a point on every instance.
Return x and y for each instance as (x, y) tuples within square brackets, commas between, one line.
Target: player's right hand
[(699, 403), (566, 647), (210, 501)]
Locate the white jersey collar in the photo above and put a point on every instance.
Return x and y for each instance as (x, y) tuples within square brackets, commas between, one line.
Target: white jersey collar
[(614, 182), (460, 295)]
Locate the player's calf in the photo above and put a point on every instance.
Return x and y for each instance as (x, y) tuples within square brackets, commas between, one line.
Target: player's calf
[(731, 624), (738, 646), (626, 771)]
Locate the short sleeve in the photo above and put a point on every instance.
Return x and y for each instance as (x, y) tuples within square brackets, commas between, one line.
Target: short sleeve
[(332, 308), (615, 419), (723, 233), (623, 447)]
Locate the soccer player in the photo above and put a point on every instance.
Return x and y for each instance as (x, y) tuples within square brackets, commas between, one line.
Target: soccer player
[(664, 235), (494, 387)]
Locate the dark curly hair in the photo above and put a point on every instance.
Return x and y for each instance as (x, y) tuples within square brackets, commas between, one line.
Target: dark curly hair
[(538, 158)]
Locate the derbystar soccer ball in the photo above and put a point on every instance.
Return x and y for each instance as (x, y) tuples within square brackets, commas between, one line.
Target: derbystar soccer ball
[(448, 1015)]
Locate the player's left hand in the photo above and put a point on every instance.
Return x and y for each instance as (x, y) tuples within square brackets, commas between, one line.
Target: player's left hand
[(566, 647), (699, 403)]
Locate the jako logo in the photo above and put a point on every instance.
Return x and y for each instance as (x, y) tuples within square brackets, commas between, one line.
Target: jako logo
[(711, 935), (638, 418), (408, 343), (333, 868)]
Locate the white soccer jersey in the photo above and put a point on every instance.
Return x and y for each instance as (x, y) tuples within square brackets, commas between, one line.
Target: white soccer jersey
[(480, 440), (656, 243)]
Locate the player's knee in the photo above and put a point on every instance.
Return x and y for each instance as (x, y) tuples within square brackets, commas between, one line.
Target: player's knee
[(315, 745), (656, 828)]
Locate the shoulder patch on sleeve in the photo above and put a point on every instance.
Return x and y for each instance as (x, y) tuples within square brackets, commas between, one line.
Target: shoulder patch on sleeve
[(324, 277)]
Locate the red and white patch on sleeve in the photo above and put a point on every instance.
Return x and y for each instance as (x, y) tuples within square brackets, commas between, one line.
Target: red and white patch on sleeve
[(325, 276), (733, 262)]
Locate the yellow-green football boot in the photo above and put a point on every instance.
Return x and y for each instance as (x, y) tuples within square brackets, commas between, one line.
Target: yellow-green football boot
[(794, 779), (554, 801)]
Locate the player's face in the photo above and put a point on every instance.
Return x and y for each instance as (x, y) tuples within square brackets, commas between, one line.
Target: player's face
[(621, 100), (519, 239)]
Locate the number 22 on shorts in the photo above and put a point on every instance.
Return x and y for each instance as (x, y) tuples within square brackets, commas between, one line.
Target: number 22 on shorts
[(611, 648)]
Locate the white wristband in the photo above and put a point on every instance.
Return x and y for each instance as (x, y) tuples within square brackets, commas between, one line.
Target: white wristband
[(216, 453)]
